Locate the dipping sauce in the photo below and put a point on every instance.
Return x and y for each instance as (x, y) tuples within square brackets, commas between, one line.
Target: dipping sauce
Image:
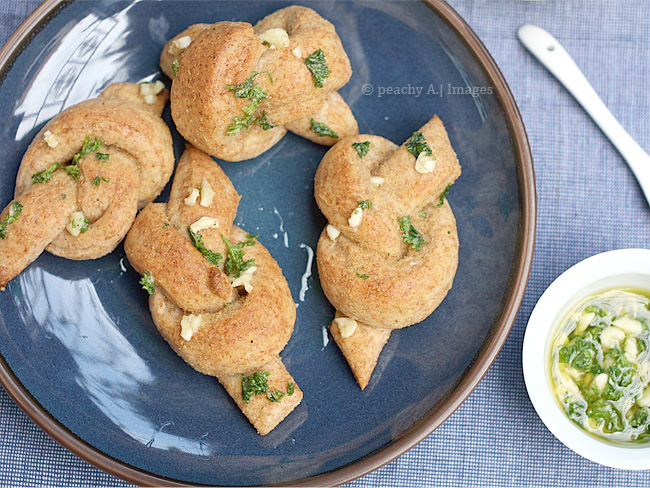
[(600, 365)]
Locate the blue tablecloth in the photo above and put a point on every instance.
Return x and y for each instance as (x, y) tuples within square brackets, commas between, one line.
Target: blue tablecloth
[(588, 202)]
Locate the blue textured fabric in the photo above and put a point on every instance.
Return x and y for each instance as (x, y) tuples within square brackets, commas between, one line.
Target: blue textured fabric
[(588, 202)]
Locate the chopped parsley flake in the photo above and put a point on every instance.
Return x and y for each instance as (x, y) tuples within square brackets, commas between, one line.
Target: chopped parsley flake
[(363, 276), (90, 146), (147, 282), (166, 226), (197, 240), (362, 148), (98, 180), (73, 171), (255, 384), (410, 234), (235, 264), (248, 89), (365, 204), (318, 66), (423, 214), (275, 396), (417, 144), (322, 130), (441, 202), (102, 156), (263, 122), (12, 216), (175, 65), (62, 196), (45, 175)]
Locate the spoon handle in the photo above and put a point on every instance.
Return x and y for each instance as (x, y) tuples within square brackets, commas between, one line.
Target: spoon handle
[(553, 56)]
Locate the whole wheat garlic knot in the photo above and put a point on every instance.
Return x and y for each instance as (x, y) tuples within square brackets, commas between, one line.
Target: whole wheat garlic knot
[(83, 178), (217, 296), (238, 88), (389, 254)]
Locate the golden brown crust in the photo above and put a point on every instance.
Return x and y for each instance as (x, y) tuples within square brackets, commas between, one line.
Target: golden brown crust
[(265, 415), (369, 273), (44, 215), (361, 349), (228, 53), (335, 114), (138, 162), (240, 331)]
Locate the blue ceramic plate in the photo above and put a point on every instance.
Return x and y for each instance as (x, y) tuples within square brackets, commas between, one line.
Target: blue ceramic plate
[(80, 352)]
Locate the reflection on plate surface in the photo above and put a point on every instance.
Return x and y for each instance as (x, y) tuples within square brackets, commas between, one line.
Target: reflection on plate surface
[(79, 336)]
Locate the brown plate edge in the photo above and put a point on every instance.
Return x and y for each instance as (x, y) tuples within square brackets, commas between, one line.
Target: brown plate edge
[(483, 360)]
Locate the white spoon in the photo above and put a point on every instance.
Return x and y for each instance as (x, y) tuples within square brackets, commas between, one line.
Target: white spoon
[(552, 55)]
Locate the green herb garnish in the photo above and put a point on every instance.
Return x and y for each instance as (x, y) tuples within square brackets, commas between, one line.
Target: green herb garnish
[(363, 276), (147, 282), (62, 196), (12, 216), (248, 89), (410, 234), (316, 64), (364, 204), (90, 146), (275, 396), (417, 144), (255, 384), (197, 240), (263, 122), (102, 156), (443, 195), (362, 148), (235, 264), (45, 175), (290, 388), (73, 171), (166, 226), (322, 130), (423, 214), (98, 180), (175, 65)]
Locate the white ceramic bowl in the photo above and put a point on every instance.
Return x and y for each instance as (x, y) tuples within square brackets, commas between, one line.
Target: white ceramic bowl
[(629, 268)]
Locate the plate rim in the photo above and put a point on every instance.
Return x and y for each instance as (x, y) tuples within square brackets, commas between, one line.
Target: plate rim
[(430, 421)]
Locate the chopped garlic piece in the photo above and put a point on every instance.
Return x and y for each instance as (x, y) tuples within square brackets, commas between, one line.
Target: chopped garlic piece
[(297, 52), (245, 279), (193, 197), (585, 320), (189, 325), (207, 193), (425, 163), (276, 37), (630, 349), (149, 91), (179, 45), (600, 381), (611, 337), (78, 224), (51, 139), (377, 180), (644, 401), (629, 325), (332, 232), (356, 217), (347, 326), (204, 223)]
